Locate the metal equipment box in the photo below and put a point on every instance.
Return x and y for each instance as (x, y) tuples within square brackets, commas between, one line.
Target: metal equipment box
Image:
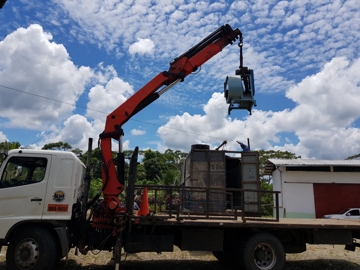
[(213, 171)]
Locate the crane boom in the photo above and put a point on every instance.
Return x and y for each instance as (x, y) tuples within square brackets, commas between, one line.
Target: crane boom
[(180, 67)]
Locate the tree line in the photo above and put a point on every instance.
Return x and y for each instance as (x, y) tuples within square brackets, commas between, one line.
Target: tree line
[(154, 167)]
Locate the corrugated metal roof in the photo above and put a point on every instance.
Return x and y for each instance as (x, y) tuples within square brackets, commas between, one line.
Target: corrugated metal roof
[(315, 162), (271, 164)]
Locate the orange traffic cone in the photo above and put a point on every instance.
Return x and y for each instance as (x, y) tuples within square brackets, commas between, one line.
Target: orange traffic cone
[(144, 207)]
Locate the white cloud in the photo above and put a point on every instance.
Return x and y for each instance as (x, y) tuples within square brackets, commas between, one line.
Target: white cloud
[(178, 15), (294, 19), (31, 63), (104, 99), (76, 130), (284, 42), (217, 6), (137, 132), (183, 130), (279, 9), (142, 46), (163, 22), (327, 105), (330, 96), (3, 137), (239, 6), (289, 35)]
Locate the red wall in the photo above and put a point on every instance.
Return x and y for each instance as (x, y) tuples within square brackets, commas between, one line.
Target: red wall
[(332, 198)]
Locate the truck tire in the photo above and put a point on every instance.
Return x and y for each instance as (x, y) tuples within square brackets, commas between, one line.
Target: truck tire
[(32, 248), (263, 251)]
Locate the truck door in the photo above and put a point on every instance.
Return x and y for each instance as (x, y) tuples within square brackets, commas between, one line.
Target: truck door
[(23, 184), (60, 195)]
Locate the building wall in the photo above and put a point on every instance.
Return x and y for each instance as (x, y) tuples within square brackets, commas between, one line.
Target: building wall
[(311, 194), (277, 185), (297, 200)]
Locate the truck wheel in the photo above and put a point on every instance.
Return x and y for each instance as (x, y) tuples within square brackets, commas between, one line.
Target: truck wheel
[(263, 251), (32, 248)]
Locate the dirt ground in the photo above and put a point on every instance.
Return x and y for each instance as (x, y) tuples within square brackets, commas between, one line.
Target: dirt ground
[(317, 257)]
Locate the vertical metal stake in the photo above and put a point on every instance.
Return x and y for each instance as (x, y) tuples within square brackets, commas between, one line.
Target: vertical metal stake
[(120, 225)]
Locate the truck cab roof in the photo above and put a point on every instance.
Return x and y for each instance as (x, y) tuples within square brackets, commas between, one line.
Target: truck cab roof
[(45, 152)]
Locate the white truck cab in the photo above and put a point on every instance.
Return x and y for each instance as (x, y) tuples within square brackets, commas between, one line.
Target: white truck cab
[(38, 188)]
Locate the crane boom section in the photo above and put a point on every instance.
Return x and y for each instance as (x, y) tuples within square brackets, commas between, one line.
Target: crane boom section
[(180, 67)]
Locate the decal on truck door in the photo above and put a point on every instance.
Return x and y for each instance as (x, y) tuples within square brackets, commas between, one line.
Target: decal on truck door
[(59, 196)]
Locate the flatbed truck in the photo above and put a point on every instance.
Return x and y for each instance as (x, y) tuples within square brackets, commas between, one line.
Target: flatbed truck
[(39, 228), (45, 209)]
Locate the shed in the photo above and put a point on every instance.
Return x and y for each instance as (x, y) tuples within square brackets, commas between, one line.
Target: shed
[(312, 188)]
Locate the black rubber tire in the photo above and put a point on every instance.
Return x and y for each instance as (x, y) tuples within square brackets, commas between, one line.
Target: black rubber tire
[(33, 248), (262, 251)]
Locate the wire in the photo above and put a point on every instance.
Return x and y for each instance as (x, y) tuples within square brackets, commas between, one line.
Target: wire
[(191, 132), (53, 99), (87, 108)]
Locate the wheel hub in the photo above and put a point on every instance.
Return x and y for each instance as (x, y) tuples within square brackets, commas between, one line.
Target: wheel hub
[(264, 256), (27, 254)]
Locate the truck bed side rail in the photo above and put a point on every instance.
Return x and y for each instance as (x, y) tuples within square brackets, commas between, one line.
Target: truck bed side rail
[(183, 203)]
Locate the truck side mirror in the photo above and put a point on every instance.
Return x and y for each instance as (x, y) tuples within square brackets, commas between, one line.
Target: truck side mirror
[(3, 155)]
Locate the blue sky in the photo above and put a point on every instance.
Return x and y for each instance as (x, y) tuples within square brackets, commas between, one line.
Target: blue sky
[(66, 64)]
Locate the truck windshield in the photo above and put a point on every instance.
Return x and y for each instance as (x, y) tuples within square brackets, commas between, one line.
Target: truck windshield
[(23, 171)]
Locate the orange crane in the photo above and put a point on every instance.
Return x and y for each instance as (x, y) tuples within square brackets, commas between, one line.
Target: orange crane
[(180, 67)]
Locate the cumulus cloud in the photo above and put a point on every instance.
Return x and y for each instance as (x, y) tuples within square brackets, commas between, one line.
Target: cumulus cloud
[(183, 130), (3, 137), (330, 96), (137, 132), (142, 46), (37, 67), (103, 99), (307, 51), (327, 106), (76, 130), (294, 19), (44, 85), (322, 26)]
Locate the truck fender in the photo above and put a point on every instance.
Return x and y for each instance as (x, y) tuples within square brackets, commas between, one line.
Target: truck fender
[(58, 231), (63, 240)]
